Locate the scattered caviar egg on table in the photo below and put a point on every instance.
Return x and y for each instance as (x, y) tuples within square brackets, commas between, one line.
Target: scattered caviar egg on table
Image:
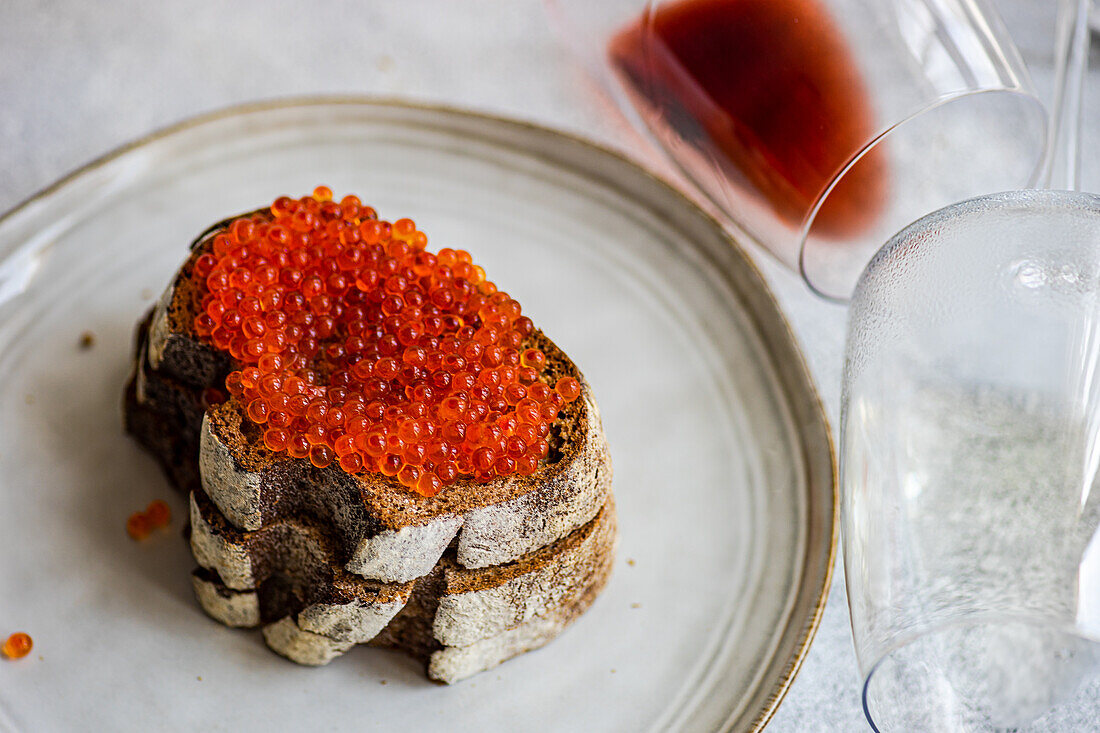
[(17, 646), (158, 514), (359, 347), (137, 526)]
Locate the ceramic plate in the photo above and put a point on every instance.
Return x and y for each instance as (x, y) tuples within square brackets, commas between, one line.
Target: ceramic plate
[(723, 467)]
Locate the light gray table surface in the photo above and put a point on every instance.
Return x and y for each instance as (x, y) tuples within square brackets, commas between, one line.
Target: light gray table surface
[(79, 78)]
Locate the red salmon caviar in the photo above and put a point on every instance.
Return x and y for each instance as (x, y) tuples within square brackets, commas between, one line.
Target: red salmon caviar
[(137, 526), (568, 388), (358, 347), (158, 514), (141, 524), (17, 646)]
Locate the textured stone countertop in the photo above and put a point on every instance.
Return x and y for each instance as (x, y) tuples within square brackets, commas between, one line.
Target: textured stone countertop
[(79, 78)]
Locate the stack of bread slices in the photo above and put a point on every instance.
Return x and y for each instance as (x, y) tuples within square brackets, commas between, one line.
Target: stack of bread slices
[(323, 560)]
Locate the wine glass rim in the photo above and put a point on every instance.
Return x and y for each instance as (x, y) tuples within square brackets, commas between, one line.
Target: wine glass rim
[(1017, 199), (1022, 93)]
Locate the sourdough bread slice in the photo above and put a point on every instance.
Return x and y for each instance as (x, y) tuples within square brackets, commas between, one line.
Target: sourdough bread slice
[(312, 610)]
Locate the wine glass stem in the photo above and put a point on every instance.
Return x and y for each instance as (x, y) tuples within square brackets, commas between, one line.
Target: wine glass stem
[(1071, 55)]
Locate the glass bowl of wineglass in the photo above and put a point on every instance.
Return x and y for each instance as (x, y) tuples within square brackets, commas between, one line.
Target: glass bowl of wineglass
[(819, 127)]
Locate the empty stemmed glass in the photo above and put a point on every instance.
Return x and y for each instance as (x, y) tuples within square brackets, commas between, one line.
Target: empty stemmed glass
[(819, 127), (970, 458)]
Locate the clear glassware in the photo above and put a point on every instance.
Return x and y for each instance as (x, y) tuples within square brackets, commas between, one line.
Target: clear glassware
[(970, 446), (970, 455), (819, 127)]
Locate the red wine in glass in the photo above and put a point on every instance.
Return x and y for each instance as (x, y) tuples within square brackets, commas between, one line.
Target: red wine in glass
[(769, 98)]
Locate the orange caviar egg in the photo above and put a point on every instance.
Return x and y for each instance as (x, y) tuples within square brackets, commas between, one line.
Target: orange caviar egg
[(138, 526), (568, 388), (358, 347), (17, 646), (158, 514)]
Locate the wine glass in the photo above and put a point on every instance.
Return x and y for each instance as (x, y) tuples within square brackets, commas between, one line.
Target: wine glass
[(970, 457), (819, 127)]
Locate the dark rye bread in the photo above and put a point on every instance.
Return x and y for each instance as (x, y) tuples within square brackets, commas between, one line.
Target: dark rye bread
[(411, 629), (285, 578), (324, 560), (398, 535), (304, 551)]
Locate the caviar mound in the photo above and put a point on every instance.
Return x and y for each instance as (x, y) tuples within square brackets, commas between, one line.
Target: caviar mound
[(358, 346), (325, 554)]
